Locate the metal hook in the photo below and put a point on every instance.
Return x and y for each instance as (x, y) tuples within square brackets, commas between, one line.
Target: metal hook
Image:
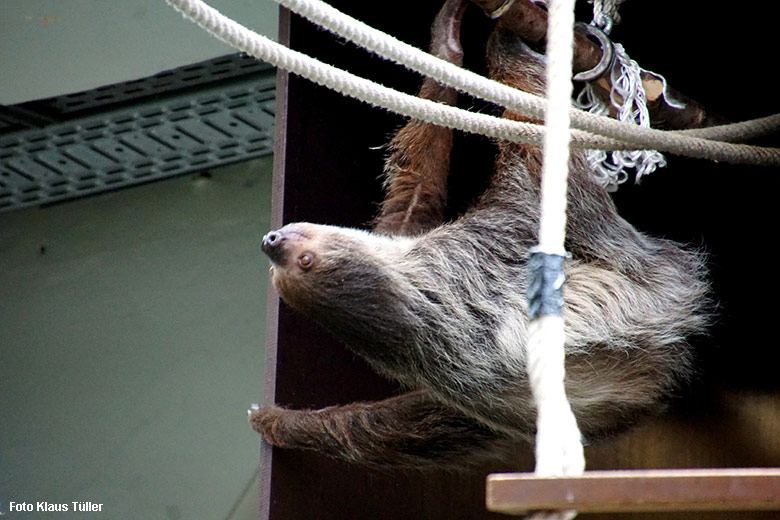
[(607, 53)]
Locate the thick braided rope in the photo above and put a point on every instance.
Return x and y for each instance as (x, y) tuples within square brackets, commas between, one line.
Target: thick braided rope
[(353, 86), (532, 106), (558, 446), (736, 132), (367, 91)]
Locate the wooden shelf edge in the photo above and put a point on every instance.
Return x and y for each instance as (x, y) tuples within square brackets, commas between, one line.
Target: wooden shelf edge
[(637, 491)]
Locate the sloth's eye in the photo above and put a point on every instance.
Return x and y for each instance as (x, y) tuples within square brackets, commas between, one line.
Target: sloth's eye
[(306, 260)]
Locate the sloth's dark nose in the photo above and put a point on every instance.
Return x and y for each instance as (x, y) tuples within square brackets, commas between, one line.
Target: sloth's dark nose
[(272, 239), (272, 245)]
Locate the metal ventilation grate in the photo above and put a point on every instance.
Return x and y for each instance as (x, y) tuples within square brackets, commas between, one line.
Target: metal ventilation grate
[(203, 73), (120, 138)]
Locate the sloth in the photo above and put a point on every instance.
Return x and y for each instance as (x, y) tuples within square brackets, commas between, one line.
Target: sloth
[(440, 307)]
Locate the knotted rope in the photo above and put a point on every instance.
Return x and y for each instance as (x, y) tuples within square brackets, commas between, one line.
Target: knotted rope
[(628, 97)]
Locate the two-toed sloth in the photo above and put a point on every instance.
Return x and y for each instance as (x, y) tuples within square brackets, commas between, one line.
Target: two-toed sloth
[(441, 306)]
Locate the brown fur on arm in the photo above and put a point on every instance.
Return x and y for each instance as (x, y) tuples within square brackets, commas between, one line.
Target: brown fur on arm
[(417, 167), (408, 431)]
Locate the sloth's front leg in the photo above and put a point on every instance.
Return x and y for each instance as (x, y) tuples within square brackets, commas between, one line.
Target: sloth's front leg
[(418, 165), (411, 431)]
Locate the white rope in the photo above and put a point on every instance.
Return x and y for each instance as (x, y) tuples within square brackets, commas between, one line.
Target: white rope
[(348, 84), (525, 103), (605, 14), (558, 446), (736, 132), (560, 38), (367, 91)]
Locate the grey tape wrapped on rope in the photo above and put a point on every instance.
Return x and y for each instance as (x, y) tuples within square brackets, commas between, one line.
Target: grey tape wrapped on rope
[(545, 283)]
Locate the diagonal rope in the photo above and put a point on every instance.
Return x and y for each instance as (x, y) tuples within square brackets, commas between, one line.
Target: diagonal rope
[(367, 91), (256, 45), (532, 106)]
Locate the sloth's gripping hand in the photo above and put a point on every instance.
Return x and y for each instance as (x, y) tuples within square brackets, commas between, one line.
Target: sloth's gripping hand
[(408, 431)]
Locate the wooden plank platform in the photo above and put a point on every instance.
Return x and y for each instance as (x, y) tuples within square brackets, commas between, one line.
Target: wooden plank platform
[(637, 491)]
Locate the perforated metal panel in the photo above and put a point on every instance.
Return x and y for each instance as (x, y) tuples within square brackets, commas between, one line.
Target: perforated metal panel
[(181, 121)]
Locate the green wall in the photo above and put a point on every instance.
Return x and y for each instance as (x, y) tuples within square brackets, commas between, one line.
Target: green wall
[(53, 47), (131, 345)]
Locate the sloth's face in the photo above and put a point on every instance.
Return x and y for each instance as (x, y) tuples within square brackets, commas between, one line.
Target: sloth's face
[(291, 250), (314, 265), (350, 282)]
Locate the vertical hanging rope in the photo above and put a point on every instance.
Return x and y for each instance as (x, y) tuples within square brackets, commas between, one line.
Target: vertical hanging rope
[(558, 446)]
